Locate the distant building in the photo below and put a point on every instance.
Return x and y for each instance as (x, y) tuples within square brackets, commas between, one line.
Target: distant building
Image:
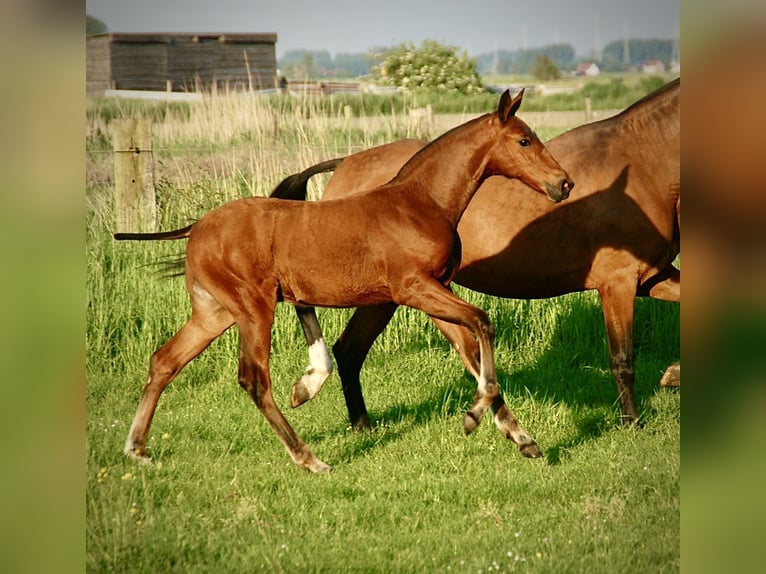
[(180, 62), (653, 67), (587, 69)]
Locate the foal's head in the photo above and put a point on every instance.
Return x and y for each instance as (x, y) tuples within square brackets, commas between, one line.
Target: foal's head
[(519, 153)]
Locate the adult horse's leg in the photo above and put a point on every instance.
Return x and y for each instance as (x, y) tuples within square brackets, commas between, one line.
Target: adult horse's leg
[(354, 344), (320, 365), (667, 288), (351, 350), (439, 302), (254, 377), (617, 301), (206, 324)]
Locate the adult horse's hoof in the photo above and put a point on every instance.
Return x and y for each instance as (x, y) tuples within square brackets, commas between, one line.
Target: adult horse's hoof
[(362, 423), (530, 450), (672, 376)]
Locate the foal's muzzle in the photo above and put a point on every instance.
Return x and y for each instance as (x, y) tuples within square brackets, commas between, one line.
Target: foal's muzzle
[(560, 191)]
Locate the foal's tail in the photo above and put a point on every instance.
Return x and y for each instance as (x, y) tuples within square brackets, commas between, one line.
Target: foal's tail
[(173, 267), (182, 233), (294, 186)]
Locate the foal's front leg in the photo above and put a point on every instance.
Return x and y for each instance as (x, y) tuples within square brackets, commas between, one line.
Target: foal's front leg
[(464, 344), (439, 302)]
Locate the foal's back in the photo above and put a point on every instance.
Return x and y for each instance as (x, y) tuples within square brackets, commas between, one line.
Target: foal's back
[(339, 253)]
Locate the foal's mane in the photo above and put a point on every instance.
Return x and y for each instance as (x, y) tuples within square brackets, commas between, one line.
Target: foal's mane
[(427, 148)]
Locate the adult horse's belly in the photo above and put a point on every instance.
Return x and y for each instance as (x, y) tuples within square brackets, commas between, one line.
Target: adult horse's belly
[(512, 246), (517, 244)]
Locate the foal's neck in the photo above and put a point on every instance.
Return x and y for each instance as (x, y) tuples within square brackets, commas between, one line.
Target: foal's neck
[(450, 169)]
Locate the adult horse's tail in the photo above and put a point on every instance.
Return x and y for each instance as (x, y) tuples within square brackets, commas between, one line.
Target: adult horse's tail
[(294, 186)]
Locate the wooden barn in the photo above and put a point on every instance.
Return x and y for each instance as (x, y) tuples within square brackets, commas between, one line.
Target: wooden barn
[(180, 62)]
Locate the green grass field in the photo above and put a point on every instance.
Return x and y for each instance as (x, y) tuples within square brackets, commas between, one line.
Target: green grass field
[(414, 494)]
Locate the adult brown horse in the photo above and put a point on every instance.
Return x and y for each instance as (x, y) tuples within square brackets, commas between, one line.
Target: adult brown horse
[(618, 233), (246, 256)]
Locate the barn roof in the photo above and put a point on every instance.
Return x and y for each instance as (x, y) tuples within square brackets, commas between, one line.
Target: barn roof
[(168, 37)]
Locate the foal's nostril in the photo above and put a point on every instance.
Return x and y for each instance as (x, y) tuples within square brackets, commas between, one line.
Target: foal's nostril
[(567, 185)]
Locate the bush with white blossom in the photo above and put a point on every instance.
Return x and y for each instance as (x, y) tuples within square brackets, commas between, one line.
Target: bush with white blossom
[(432, 66)]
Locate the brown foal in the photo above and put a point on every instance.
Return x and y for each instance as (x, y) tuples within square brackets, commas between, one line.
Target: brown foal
[(246, 256)]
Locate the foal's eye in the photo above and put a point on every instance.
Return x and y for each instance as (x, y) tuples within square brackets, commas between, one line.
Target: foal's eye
[(525, 142)]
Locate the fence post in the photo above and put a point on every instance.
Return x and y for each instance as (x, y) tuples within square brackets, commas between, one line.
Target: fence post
[(134, 196), (588, 111), (275, 123)]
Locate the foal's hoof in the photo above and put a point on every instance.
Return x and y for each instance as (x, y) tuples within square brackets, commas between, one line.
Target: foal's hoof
[(470, 422), (138, 456), (530, 450), (318, 467), (300, 394)]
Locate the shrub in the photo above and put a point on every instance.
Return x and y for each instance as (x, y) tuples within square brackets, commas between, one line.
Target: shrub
[(433, 66)]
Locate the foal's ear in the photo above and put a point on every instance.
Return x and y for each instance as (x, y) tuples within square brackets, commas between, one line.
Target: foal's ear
[(508, 106)]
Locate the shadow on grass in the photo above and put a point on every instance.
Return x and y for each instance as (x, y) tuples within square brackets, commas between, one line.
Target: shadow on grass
[(590, 426), (572, 371)]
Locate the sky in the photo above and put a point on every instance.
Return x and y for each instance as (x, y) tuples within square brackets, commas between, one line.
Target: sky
[(348, 26)]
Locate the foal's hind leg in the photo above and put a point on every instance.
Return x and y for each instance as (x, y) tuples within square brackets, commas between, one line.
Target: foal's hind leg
[(205, 325), (320, 365), (438, 301), (255, 346)]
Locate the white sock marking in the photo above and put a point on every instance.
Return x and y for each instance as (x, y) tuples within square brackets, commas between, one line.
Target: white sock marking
[(319, 368)]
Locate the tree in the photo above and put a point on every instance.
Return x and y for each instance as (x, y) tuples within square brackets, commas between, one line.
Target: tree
[(521, 61), (639, 51), (545, 69), (94, 26), (308, 64), (433, 66)]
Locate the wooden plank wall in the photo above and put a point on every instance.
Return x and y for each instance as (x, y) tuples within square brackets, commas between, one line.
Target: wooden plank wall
[(139, 66), (217, 65), (180, 62), (98, 64)]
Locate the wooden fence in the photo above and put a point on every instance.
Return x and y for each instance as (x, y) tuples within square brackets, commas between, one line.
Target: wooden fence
[(315, 88), (134, 194)]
